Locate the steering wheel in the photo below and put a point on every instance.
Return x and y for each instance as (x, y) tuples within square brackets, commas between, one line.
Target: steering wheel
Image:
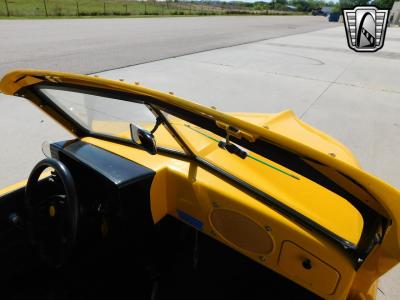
[(52, 212)]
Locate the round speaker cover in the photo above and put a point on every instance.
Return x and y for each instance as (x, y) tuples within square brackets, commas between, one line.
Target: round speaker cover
[(241, 231)]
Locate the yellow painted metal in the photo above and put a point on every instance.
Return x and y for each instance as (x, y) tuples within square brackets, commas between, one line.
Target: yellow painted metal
[(20, 184), (286, 123), (304, 195), (308, 269), (183, 185), (241, 231), (13, 187)]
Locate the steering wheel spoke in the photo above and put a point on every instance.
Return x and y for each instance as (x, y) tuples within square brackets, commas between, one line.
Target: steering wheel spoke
[(52, 220)]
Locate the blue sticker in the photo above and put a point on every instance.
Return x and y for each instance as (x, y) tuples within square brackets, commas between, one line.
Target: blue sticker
[(189, 219)]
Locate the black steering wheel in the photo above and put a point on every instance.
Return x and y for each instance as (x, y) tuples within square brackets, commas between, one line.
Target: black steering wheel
[(52, 212)]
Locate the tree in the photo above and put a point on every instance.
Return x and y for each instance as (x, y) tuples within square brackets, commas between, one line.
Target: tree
[(308, 5), (383, 4), (352, 3), (260, 5), (279, 4), (302, 5)]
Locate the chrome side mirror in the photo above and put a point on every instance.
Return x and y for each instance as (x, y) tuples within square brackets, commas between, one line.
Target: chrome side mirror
[(143, 139), (46, 149)]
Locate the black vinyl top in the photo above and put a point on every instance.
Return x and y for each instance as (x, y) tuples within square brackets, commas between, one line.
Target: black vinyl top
[(117, 169)]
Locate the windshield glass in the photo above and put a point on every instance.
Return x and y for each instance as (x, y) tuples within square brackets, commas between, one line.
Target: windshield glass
[(108, 116)]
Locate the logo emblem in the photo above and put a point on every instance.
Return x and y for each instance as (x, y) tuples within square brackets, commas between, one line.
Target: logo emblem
[(365, 27)]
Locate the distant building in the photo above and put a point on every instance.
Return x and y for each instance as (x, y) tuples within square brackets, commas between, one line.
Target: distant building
[(394, 17)]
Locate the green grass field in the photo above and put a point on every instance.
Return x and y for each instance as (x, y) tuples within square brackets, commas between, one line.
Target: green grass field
[(60, 8)]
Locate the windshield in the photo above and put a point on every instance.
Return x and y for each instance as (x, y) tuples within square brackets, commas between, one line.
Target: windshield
[(112, 117), (108, 116), (100, 114)]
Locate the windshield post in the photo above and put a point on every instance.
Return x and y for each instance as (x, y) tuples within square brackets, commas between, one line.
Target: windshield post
[(160, 116)]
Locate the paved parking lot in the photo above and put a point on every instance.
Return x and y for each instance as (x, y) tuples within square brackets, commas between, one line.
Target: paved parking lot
[(354, 97), (92, 45)]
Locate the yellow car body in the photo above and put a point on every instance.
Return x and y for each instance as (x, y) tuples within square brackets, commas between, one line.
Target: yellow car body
[(313, 236)]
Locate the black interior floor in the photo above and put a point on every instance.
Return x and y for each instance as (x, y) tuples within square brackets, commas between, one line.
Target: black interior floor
[(111, 270)]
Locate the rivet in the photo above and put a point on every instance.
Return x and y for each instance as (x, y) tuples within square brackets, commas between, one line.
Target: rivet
[(268, 228), (332, 154), (262, 258), (137, 82), (213, 107), (266, 126), (121, 80), (171, 93)]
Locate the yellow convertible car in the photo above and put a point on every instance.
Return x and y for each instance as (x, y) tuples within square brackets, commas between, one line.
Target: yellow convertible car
[(164, 198)]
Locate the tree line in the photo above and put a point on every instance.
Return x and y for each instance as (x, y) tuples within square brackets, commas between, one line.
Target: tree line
[(310, 5)]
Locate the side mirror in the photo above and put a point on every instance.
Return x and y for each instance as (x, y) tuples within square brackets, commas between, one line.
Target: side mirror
[(143, 139)]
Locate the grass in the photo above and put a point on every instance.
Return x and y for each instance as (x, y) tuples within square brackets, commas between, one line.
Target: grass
[(113, 8)]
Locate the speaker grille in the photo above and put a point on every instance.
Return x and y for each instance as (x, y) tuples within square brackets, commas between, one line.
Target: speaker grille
[(241, 231)]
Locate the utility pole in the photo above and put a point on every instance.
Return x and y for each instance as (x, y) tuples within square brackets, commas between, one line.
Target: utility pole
[(45, 8), (77, 8), (8, 11)]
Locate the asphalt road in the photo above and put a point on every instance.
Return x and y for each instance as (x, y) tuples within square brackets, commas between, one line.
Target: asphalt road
[(94, 45)]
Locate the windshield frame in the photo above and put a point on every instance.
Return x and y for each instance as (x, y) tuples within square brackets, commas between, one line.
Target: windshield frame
[(76, 128), (208, 122)]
